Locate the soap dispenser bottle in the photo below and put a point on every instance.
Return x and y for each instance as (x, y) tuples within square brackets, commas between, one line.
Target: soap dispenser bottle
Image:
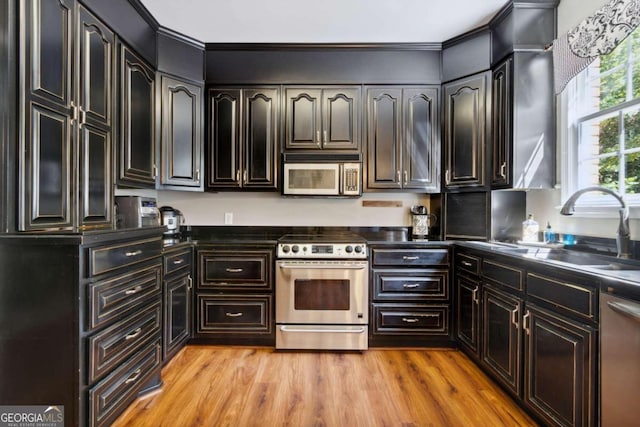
[(549, 235)]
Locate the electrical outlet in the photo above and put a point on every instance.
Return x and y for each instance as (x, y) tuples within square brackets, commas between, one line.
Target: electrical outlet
[(228, 218)]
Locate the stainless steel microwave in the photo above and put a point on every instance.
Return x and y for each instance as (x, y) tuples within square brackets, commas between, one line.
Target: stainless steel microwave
[(322, 179)]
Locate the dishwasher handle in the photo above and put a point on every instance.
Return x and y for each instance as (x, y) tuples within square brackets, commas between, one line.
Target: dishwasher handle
[(628, 310)]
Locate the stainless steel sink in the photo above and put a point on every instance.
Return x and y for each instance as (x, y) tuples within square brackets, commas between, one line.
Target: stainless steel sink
[(616, 267)]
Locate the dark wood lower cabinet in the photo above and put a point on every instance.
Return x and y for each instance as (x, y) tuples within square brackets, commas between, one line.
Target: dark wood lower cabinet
[(467, 313), (501, 336), (234, 294), (560, 368), (178, 295), (81, 325)]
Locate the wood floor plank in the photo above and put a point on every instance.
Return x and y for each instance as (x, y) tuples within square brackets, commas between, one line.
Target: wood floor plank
[(226, 386)]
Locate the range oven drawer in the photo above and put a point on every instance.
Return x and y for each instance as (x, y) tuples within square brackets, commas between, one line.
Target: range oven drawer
[(325, 337)]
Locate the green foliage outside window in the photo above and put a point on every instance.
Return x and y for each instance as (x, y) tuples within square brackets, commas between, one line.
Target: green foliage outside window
[(619, 82)]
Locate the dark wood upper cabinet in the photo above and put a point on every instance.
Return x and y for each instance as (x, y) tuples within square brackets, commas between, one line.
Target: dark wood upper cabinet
[(402, 138), (465, 128), (181, 133), (96, 46), (224, 138), (243, 135), (501, 119), (68, 119), (384, 138), (322, 118), (137, 145), (523, 122)]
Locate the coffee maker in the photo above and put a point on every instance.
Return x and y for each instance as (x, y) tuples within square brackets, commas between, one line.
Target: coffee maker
[(172, 219), (421, 220)]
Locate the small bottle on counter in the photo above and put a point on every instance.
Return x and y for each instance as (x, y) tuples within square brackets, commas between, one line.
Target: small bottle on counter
[(549, 235), (530, 230)]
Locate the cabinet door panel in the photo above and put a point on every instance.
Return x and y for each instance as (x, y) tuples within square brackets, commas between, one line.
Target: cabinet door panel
[(177, 314), (46, 184), (467, 310), (181, 133), (384, 138), (465, 127), (50, 49), (137, 140), (422, 146), (225, 138), (501, 118), (501, 336), (260, 127), (95, 188), (303, 119), (560, 367), (341, 122), (95, 64)]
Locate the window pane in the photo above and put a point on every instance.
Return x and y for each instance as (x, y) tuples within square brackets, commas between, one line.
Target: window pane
[(636, 74), (609, 173), (613, 86), (599, 137), (632, 129), (632, 182)]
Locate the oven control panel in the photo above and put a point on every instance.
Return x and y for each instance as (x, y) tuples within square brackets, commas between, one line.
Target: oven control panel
[(322, 250)]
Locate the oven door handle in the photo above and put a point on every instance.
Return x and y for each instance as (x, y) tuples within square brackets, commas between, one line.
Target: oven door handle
[(321, 267), (333, 331)]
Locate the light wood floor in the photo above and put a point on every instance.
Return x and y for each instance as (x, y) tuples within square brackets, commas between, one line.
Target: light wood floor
[(223, 386)]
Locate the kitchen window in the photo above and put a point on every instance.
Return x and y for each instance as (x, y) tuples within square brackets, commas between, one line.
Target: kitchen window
[(602, 106)]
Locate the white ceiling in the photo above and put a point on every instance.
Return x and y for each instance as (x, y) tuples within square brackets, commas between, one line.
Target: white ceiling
[(322, 21)]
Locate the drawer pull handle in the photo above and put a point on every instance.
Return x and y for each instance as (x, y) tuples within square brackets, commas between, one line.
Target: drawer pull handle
[(466, 263), (411, 285), (514, 317), (190, 284), (134, 376), (407, 320), (474, 296), (234, 314), (134, 253), (410, 258), (234, 270), (178, 262), (133, 290), (133, 334)]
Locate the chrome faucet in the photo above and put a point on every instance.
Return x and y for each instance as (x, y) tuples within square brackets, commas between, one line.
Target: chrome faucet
[(623, 239)]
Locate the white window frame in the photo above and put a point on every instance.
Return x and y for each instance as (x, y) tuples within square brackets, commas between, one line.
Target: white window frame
[(590, 205)]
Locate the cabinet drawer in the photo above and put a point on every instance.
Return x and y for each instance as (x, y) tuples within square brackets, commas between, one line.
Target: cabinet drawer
[(106, 258), (113, 394), (570, 298), (110, 347), (410, 257), (177, 261), (411, 319), (505, 275), (398, 284), (240, 270), (235, 313), (108, 299), (468, 264)]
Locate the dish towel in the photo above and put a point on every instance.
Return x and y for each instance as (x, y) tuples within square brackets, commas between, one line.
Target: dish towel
[(597, 35)]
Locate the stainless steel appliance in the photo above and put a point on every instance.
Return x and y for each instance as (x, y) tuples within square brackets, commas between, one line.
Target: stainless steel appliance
[(322, 293), (314, 175), (421, 221), (619, 360), (136, 212), (172, 219)]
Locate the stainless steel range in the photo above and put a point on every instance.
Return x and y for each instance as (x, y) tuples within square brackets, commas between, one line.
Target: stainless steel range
[(322, 293)]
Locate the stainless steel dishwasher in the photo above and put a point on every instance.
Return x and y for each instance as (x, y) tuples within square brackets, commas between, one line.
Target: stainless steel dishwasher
[(620, 360)]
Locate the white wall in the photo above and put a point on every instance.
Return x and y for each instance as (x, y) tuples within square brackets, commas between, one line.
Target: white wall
[(545, 204), (272, 209)]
